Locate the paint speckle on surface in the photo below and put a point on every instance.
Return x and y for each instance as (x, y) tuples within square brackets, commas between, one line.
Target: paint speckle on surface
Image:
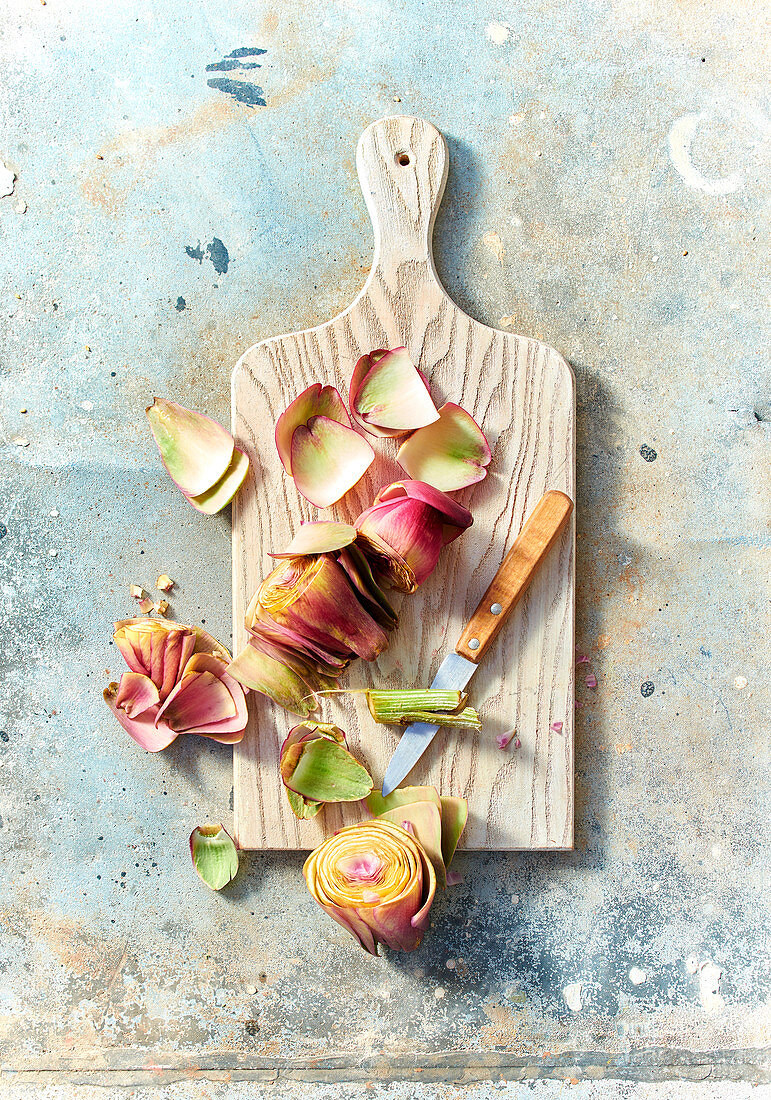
[(21, 207), (7, 180), (692, 964), (507, 321), (740, 682), (494, 244), (215, 251), (681, 138), (709, 987), (180, 304), (573, 996), (439, 993), (648, 453), (647, 689), (498, 33), (637, 976), (242, 91)]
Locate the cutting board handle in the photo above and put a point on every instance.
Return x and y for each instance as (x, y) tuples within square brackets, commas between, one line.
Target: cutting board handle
[(402, 165)]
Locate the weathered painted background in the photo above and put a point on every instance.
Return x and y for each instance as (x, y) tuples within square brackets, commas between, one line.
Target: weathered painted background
[(185, 185)]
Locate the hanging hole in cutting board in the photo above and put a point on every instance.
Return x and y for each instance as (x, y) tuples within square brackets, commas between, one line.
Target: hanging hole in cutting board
[(402, 159)]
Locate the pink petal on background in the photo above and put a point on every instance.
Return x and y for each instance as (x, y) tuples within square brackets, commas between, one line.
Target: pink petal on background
[(504, 739), (591, 680), (142, 728), (195, 450), (449, 454), (136, 694), (391, 398), (317, 400), (327, 460), (318, 538), (199, 699), (556, 726)]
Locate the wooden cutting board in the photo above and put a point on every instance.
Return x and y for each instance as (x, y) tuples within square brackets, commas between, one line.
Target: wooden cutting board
[(522, 393)]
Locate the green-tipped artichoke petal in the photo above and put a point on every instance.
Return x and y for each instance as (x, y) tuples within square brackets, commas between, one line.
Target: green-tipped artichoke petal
[(195, 450), (402, 796), (388, 395), (449, 454), (320, 537), (454, 818), (326, 772), (214, 854), (223, 491)]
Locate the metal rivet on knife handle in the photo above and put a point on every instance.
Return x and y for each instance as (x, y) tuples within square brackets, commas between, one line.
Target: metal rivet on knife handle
[(543, 527)]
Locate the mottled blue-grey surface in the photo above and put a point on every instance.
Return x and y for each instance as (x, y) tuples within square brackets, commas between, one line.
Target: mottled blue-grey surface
[(186, 185)]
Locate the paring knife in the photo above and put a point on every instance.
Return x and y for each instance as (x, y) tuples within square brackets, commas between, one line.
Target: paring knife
[(542, 529)]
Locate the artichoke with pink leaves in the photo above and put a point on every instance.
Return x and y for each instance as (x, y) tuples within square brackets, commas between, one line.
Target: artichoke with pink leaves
[(178, 683), (378, 878), (406, 528)]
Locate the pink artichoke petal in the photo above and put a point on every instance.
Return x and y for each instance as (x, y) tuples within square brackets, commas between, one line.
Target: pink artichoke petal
[(408, 527), (261, 672), (288, 643), (198, 700), (452, 513), (229, 729), (143, 728), (328, 459), (195, 450), (320, 537), (449, 454), (223, 491), (391, 398), (324, 605), (130, 656), (136, 694), (317, 400), (369, 592)]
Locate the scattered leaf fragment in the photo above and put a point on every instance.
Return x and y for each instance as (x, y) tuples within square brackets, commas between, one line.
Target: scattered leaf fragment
[(388, 396), (449, 454), (316, 765), (318, 446), (214, 855), (195, 450), (161, 607), (164, 583), (146, 605), (137, 591), (321, 537)]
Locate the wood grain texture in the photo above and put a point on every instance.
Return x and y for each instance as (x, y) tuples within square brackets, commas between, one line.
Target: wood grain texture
[(522, 393)]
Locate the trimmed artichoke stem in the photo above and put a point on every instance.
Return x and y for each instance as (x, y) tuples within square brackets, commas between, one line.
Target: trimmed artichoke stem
[(424, 705)]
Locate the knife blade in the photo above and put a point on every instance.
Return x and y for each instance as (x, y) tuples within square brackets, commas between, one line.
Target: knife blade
[(542, 528)]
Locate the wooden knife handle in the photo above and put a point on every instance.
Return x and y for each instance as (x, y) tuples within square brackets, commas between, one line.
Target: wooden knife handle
[(542, 528)]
